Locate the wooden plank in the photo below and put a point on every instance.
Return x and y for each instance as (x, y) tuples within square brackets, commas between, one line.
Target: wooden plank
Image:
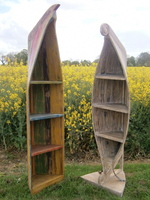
[(46, 82), (41, 181), (40, 149), (111, 77), (114, 107), (35, 117), (116, 136), (113, 185)]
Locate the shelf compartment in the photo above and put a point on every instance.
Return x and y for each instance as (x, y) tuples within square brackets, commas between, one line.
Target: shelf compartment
[(35, 117), (111, 106), (45, 82), (111, 77), (40, 149), (117, 136), (39, 182)]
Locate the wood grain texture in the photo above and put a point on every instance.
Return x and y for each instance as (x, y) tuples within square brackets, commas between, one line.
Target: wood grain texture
[(110, 106), (45, 109), (40, 149)]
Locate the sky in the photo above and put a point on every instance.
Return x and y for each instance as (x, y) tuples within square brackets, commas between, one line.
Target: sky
[(78, 25)]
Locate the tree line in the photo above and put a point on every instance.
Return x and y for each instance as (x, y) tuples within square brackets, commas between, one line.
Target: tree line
[(142, 60), (12, 57)]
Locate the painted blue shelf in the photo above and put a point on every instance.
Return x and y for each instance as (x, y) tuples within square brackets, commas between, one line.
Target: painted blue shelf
[(35, 117)]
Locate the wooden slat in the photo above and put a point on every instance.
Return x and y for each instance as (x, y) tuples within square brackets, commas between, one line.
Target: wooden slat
[(111, 77), (46, 82), (41, 181), (40, 149), (115, 136), (35, 117), (114, 107)]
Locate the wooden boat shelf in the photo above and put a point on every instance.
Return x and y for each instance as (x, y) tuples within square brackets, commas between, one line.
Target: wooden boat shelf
[(114, 107), (40, 149), (45, 105), (35, 117), (115, 136), (45, 82), (110, 77), (110, 112)]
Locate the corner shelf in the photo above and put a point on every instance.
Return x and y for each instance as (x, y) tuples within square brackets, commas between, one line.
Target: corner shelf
[(35, 117), (40, 149), (111, 77), (112, 106), (45, 105), (117, 136)]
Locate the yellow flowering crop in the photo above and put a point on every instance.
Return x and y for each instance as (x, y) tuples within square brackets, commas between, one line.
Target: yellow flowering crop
[(139, 84), (78, 82)]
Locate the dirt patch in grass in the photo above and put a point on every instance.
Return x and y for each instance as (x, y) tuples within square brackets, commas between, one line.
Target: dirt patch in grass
[(15, 162), (12, 162)]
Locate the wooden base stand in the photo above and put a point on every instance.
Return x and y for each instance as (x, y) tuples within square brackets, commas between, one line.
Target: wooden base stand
[(113, 185)]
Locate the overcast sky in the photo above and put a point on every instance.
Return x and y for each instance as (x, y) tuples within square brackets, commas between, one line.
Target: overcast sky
[(78, 25)]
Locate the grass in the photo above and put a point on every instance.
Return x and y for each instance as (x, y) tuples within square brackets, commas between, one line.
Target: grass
[(14, 187)]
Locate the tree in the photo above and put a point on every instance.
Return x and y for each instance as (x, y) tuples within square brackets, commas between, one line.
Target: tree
[(75, 63), (96, 60), (131, 61), (66, 62), (143, 59), (2, 58), (85, 62), (10, 58), (22, 56)]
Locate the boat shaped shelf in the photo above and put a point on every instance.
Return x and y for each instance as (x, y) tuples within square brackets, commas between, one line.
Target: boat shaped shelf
[(45, 109), (110, 112)]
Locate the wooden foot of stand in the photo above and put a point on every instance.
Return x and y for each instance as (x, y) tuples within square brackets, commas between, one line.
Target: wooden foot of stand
[(113, 185)]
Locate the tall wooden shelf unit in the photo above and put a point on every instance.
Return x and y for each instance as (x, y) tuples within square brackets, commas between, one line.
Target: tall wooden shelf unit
[(45, 109), (110, 113)]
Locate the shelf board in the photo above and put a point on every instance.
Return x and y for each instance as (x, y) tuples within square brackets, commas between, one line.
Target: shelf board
[(113, 106), (111, 77), (46, 82), (115, 136), (35, 117), (39, 182), (40, 149)]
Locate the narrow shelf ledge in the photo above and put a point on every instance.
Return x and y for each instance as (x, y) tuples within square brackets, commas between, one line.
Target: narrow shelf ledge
[(115, 136), (35, 117), (46, 82), (40, 149), (111, 77), (114, 107)]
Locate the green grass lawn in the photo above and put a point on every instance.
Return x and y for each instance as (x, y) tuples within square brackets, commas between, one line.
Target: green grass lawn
[(15, 187)]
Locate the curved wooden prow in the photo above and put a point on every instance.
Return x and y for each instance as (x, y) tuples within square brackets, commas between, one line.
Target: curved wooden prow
[(36, 36), (107, 32)]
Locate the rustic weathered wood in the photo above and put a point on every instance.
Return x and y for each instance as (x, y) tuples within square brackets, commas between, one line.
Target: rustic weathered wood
[(45, 109), (35, 117), (110, 106), (46, 82), (110, 112), (41, 181), (116, 136), (113, 185), (110, 77), (40, 149)]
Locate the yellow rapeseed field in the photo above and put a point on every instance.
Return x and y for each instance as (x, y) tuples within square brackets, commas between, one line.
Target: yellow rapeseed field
[(139, 84), (78, 81)]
